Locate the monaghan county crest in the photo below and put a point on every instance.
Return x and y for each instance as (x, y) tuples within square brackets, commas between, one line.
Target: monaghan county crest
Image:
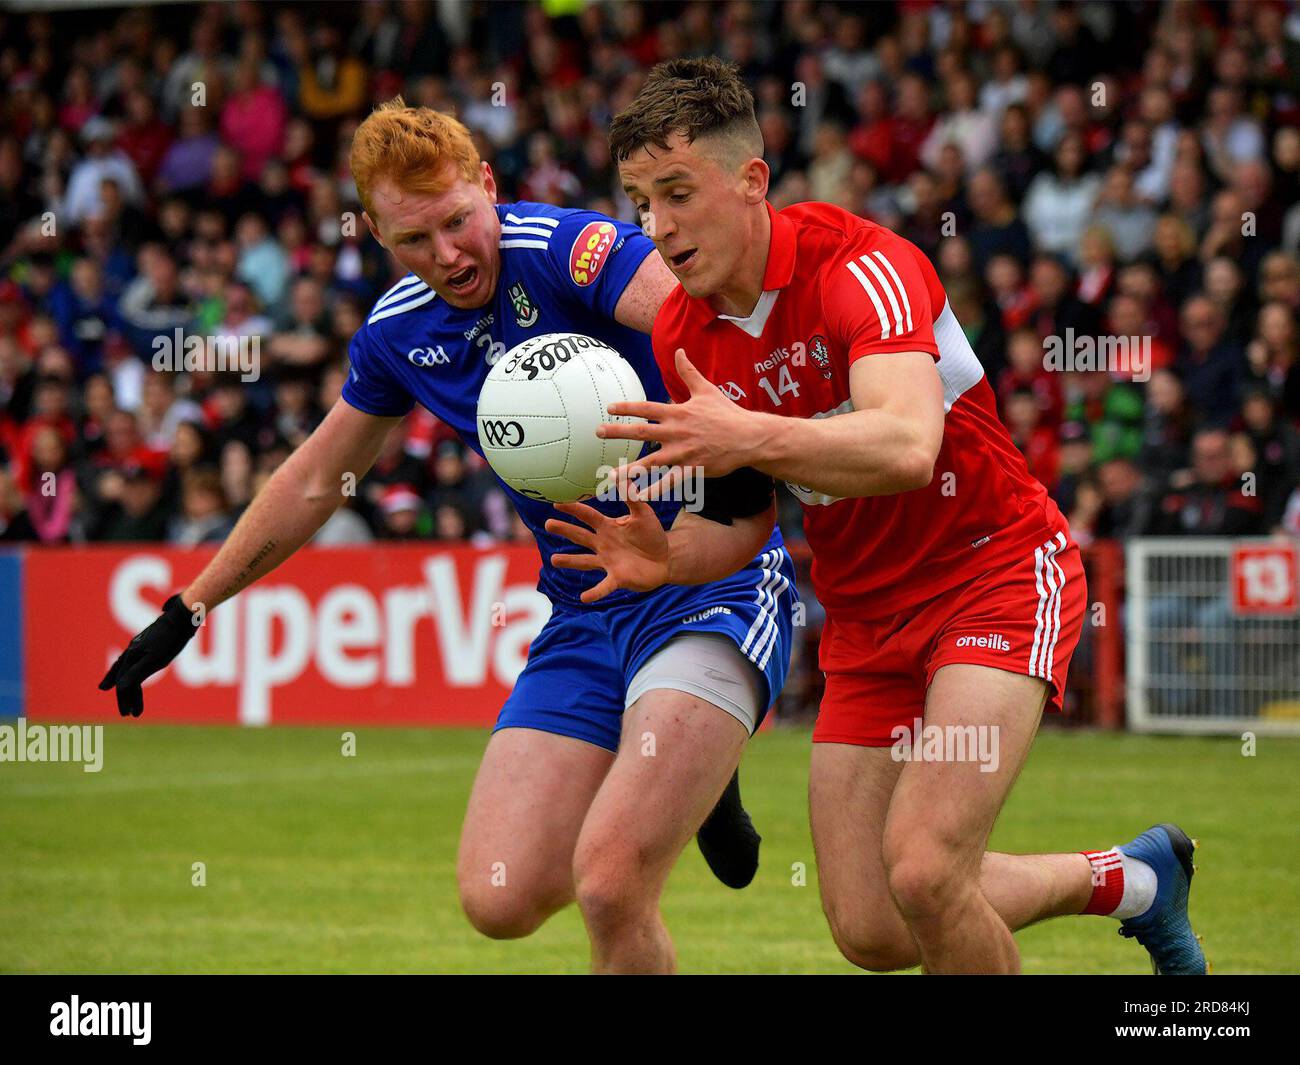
[(821, 354), (525, 310)]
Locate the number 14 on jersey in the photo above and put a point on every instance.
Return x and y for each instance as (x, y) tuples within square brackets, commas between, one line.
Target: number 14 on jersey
[(785, 385)]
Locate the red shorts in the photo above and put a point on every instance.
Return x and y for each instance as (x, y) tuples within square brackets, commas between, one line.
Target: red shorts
[(1024, 618)]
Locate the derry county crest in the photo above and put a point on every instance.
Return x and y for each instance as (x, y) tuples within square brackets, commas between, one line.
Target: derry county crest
[(821, 354), (525, 310)]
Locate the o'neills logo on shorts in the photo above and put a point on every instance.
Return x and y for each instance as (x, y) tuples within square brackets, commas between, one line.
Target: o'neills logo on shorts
[(994, 641)]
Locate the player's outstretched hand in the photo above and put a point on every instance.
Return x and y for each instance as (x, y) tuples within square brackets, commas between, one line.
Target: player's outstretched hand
[(708, 431), (632, 550), (150, 651)]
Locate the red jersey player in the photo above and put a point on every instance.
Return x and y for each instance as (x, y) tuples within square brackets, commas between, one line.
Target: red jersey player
[(823, 353)]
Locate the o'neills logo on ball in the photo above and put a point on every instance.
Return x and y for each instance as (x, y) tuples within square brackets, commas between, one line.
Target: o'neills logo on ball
[(590, 251)]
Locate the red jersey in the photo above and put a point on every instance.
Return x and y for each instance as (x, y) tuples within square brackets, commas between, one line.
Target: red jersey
[(838, 288)]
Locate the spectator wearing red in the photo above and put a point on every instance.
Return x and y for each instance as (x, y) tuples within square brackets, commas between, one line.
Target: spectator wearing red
[(51, 409), (1005, 278), (912, 124), (124, 446), (1096, 266), (1127, 318), (1036, 442), (873, 137), (1141, 280), (144, 137), (1026, 373), (15, 321)]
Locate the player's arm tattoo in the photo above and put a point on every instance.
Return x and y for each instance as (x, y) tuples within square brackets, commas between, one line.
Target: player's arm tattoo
[(245, 575)]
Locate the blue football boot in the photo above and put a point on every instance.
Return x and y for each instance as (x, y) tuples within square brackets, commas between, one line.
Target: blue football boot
[(1165, 929)]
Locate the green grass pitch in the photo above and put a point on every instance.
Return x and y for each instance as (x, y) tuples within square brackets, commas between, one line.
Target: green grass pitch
[(317, 862)]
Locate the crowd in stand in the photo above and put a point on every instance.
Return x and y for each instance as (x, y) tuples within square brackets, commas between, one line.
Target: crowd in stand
[(1125, 171)]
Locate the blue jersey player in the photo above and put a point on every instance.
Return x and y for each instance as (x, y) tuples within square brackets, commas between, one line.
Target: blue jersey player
[(629, 720)]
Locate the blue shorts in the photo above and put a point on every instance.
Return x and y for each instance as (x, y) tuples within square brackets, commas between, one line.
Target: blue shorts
[(581, 663)]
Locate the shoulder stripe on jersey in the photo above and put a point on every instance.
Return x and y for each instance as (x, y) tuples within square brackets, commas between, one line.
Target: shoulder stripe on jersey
[(902, 291), (865, 282), (870, 264), (533, 220), (400, 308), (525, 244), (400, 291), (530, 231)]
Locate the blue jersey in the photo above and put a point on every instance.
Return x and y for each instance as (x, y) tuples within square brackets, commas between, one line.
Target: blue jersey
[(562, 271)]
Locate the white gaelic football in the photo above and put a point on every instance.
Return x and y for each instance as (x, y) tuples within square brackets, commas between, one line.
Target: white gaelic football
[(539, 408)]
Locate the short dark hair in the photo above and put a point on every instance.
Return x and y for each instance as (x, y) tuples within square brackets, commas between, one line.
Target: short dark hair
[(693, 97)]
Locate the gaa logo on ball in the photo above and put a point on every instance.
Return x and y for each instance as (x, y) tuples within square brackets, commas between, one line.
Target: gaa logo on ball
[(539, 408), (501, 434)]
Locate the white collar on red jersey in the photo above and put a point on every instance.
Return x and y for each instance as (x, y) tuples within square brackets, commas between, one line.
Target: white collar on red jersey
[(754, 322)]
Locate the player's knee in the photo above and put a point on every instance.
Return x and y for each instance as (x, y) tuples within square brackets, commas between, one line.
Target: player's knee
[(499, 912), (925, 881), (609, 890), (872, 948)]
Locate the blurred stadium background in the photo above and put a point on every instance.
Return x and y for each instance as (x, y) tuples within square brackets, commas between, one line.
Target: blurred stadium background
[(1075, 170)]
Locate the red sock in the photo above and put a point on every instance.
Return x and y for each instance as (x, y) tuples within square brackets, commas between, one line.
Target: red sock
[(1107, 881)]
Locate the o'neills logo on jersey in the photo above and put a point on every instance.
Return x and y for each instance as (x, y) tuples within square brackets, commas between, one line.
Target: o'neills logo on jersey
[(994, 641), (479, 326), (590, 251), (704, 615), (821, 354)]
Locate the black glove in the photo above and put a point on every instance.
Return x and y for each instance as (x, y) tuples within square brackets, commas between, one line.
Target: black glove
[(150, 651)]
